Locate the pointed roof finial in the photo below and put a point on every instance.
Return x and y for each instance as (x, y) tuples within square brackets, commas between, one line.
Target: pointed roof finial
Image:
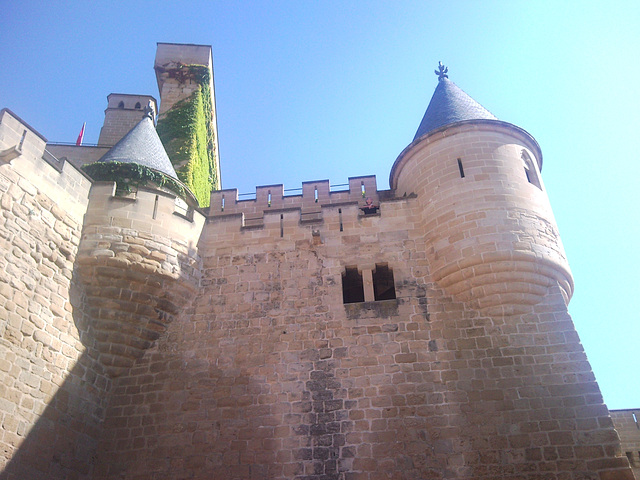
[(441, 72)]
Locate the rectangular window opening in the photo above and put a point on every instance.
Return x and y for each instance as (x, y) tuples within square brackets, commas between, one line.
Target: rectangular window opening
[(383, 285), (352, 286)]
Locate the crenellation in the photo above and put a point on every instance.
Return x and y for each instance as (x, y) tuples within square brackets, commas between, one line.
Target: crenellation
[(315, 199)]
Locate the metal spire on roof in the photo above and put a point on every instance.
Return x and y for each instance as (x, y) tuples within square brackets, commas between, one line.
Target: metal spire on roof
[(448, 105), (441, 72)]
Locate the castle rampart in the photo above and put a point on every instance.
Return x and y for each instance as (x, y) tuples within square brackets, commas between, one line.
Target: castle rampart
[(314, 197)]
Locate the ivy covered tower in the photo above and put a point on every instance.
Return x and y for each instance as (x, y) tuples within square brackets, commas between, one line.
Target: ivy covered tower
[(187, 123)]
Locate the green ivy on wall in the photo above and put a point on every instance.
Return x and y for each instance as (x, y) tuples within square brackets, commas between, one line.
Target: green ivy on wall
[(187, 134), (129, 176)]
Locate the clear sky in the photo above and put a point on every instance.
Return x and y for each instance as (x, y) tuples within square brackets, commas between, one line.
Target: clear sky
[(331, 89)]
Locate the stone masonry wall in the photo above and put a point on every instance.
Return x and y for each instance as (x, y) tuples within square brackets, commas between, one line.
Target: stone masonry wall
[(118, 121), (269, 375), (139, 267), (51, 393), (492, 237), (627, 423)]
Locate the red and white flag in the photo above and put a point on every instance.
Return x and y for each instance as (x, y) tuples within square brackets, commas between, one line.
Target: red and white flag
[(81, 136)]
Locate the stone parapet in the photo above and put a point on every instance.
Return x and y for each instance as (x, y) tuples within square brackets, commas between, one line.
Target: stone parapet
[(315, 195)]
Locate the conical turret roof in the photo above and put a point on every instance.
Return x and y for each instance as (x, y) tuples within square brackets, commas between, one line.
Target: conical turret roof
[(142, 146), (450, 104)]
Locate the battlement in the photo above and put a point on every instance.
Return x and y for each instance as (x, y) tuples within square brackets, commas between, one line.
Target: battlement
[(314, 196), (23, 150)]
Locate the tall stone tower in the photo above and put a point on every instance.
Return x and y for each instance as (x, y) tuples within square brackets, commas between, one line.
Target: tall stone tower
[(187, 122)]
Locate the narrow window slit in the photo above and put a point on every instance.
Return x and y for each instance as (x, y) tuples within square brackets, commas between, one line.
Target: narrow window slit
[(155, 207), (364, 193), (530, 170), (281, 225), (269, 199), (461, 168), (222, 205), (24, 134), (340, 217), (315, 194)]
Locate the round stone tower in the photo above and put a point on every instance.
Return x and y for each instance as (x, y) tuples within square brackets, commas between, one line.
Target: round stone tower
[(490, 235), (138, 259)]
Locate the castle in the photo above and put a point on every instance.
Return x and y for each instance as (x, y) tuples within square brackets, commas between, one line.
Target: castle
[(155, 326)]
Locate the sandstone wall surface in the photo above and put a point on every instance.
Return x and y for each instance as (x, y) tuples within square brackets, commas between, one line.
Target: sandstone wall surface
[(627, 423), (269, 375), (51, 393)]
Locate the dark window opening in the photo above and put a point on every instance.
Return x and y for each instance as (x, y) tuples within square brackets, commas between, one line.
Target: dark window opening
[(138, 106), (383, 286), (352, 287), (530, 170), (121, 105), (460, 168)]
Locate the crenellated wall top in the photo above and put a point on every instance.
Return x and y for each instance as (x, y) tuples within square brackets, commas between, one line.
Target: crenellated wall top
[(312, 197)]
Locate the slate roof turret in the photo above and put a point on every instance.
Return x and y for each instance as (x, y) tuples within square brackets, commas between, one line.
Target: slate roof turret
[(450, 104), (142, 146)]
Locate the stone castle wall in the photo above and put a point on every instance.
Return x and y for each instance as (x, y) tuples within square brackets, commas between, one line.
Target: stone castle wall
[(301, 337), (51, 395), (270, 375)]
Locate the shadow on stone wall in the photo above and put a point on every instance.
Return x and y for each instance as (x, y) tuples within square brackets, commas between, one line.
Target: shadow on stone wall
[(62, 443)]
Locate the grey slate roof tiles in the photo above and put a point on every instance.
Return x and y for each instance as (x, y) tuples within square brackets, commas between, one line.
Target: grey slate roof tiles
[(142, 146), (450, 104)]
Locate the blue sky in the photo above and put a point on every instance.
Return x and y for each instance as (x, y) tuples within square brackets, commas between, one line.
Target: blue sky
[(327, 90)]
